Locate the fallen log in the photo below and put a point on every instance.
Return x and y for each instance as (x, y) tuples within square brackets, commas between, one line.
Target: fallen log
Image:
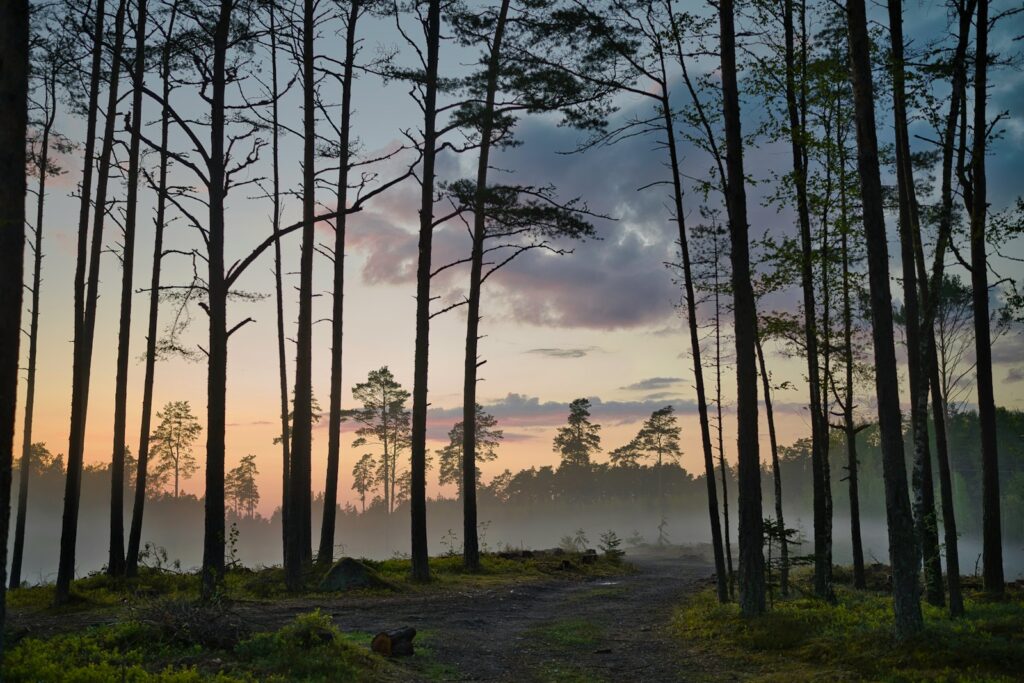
[(397, 643)]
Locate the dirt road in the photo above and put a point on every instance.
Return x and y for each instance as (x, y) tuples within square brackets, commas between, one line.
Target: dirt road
[(607, 630)]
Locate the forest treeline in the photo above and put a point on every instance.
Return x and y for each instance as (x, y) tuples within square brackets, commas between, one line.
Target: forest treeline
[(532, 507), (181, 100)]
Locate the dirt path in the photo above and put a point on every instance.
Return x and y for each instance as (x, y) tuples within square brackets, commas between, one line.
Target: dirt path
[(606, 630), (615, 629)]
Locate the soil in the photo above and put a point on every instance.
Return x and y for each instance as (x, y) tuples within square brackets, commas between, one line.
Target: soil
[(614, 629), (608, 629)]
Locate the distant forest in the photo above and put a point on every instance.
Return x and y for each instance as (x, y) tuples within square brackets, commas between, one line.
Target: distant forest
[(541, 505)]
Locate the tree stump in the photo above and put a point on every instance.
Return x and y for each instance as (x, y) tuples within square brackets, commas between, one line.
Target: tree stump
[(397, 643)]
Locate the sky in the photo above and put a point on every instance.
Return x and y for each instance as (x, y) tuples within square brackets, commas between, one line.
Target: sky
[(602, 322)]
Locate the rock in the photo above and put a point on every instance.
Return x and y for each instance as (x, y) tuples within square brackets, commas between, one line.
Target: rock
[(349, 574)]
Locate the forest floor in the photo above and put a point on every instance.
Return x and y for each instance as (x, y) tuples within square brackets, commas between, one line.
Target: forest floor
[(610, 622), (614, 628)]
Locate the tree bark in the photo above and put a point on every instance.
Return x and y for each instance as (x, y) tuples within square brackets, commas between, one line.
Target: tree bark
[(85, 331), (50, 111), (300, 548), (992, 541), (14, 70), (924, 491), (819, 428), (692, 323), (418, 492), (217, 371), (282, 350), (930, 297), (776, 470), (849, 426), (138, 508), (115, 561), (326, 552), (471, 546), (722, 468), (751, 569), (902, 541)]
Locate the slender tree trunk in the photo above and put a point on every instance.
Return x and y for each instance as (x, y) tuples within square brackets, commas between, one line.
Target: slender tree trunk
[(902, 541), (50, 109), (217, 373), (691, 315), (776, 470), (325, 555), (751, 570), (930, 296), (282, 350), (849, 427), (300, 547), (84, 342), (135, 532), (992, 551), (14, 70), (471, 546), (115, 561), (819, 430), (418, 494), (722, 468), (924, 491)]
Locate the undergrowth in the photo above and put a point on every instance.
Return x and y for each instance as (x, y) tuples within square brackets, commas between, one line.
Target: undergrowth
[(807, 639), (308, 649)]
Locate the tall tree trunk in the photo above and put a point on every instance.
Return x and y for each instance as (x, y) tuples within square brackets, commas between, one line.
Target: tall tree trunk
[(751, 570), (282, 350), (85, 334), (50, 111), (14, 69), (722, 468), (903, 552), (819, 428), (776, 470), (471, 546), (300, 547), (141, 475), (217, 371), (73, 481), (924, 490), (691, 309), (418, 493), (930, 295), (115, 561), (849, 426), (992, 550), (326, 552)]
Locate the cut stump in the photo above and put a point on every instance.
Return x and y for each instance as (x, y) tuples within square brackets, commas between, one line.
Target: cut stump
[(397, 643)]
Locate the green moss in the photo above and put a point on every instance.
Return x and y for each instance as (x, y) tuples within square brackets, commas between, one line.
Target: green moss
[(854, 639), (567, 634), (309, 649)]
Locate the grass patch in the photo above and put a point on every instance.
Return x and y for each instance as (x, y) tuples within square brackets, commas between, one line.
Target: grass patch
[(560, 672), (308, 649), (805, 638), (567, 634), (240, 583)]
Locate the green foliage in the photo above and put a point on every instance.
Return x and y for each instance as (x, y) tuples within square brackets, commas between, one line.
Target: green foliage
[(488, 438), (580, 438), (171, 444), (310, 649), (807, 639), (240, 487), (609, 545)]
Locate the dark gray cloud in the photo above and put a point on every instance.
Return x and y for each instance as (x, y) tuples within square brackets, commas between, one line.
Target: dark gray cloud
[(1014, 375), (519, 410), (653, 383), (563, 353)]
